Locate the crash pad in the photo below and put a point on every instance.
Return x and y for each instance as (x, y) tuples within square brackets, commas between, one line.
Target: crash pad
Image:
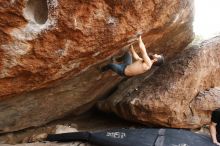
[(136, 137)]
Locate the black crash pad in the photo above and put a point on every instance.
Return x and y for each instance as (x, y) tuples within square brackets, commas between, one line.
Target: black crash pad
[(136, 137)]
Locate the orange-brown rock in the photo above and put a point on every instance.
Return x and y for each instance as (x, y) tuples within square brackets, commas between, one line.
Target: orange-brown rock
[(170, 97), (48, 50)]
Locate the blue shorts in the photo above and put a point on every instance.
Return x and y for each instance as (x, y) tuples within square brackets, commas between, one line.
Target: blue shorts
[(120, 68)]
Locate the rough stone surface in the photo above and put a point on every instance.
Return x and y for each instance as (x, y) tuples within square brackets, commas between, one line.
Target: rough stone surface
[(169, 98), (49, 49), (90, 121), (205, 102), (79, 34), (72, 96)]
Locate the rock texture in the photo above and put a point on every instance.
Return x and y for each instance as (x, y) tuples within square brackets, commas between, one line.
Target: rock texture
[(176, 95), (49, 49), (90, 121), (203, 103)]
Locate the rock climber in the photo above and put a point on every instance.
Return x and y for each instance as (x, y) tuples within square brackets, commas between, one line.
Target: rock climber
[(141, 65), (215, 127)]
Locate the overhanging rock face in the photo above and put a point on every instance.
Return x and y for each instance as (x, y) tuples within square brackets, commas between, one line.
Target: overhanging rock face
[(45, 44), (169, 98)]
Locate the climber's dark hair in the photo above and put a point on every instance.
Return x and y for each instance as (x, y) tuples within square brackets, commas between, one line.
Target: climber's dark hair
[(151, 56)]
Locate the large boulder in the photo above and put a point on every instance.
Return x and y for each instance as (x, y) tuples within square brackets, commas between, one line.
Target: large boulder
[(49, 50), (175, 96)]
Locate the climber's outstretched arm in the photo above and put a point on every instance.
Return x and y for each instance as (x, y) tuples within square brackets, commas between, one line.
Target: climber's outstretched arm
[(134, 54), (145, 56)]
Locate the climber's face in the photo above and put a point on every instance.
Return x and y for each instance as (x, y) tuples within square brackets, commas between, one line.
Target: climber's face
[(156, 56)]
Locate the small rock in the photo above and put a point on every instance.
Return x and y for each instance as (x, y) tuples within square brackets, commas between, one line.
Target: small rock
[(36, 138), (64, 129)]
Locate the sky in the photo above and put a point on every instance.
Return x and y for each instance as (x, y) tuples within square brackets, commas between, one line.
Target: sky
[(207, 18)]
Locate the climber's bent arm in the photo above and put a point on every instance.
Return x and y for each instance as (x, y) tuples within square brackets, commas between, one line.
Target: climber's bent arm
[(134, 54), (145, 56)]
